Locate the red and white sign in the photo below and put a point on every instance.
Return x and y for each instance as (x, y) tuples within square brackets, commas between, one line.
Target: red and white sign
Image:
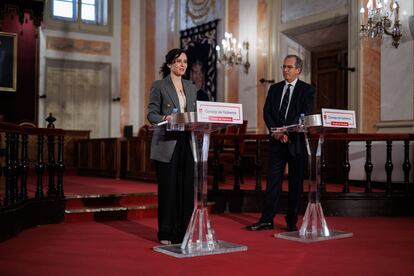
[(216, 112), (338, 118)]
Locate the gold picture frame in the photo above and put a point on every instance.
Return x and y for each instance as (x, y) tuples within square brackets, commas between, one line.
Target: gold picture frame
[(8, 62)]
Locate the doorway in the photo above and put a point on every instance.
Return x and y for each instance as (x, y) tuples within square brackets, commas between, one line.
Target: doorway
[(78, 95), (330, 78)]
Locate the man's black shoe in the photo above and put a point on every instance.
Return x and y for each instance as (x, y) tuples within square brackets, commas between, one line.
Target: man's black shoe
[(291, 228), (260, 226)]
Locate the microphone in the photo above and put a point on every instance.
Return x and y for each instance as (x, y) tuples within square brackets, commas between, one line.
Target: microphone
[(262, 80), (162, 123)]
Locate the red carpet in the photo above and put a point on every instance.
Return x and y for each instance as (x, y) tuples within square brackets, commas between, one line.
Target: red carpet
[(380, 246), (250, 184), (85, 185)]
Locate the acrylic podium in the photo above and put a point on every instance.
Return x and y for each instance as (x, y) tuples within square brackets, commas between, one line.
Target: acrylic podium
[(314, 227), (200, 238)]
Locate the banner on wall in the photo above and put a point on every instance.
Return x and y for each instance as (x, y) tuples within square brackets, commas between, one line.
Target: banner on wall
[(200, 45)]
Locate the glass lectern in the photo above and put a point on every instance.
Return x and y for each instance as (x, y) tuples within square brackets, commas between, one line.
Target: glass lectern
[(314, 227), (200, 238)]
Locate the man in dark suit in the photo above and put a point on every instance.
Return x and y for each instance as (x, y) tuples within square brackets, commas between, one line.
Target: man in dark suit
[(285, 103)]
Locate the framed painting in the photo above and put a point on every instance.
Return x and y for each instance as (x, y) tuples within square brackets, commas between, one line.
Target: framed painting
[(8, 61), (200, 45)]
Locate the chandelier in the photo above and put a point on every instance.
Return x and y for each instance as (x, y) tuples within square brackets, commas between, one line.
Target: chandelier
[(379, 20), (230, 52)]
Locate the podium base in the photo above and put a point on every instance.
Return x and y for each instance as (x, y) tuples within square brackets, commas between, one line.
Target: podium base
[(221, 248), (294, 236)]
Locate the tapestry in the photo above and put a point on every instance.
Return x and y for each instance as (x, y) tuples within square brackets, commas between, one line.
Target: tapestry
[(200, 43)]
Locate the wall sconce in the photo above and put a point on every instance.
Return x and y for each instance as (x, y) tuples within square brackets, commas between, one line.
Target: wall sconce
[(379, 21), (232, 52)]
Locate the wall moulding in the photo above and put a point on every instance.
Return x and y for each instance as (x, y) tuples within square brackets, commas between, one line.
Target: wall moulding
[(402, 126), (78, 46)]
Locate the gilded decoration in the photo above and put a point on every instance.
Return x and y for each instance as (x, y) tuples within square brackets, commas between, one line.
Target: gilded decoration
[(78, 46), (199, 10)]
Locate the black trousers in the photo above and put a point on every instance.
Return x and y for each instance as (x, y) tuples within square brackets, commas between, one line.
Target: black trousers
[(176, 191), (279, 155)]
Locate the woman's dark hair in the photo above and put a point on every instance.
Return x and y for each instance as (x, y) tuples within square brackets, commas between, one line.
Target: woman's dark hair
[(170, 58)]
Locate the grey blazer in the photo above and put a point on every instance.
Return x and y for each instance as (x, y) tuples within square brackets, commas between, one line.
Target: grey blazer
[(163, 99)]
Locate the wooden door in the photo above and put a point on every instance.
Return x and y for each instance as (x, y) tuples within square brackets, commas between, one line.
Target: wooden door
[(329, 76), (78, 96)]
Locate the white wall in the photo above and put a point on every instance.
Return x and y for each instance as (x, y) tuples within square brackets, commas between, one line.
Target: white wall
[(248, 82), (397, 74), (113, 59), (357, 157), (287, 47), (161, 37), (296, 9), (137, 77), (397, 103)]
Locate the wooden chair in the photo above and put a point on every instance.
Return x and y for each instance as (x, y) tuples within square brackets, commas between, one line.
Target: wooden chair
[(227, 151), (27, 123)]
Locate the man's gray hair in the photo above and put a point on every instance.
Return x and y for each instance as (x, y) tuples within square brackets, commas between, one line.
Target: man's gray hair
[(298, 63)]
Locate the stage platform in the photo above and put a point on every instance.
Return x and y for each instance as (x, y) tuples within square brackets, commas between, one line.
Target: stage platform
[(124, 245)]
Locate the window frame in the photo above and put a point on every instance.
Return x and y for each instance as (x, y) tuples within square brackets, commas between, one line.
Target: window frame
[(74, 10), (96, 14), (79, 25)]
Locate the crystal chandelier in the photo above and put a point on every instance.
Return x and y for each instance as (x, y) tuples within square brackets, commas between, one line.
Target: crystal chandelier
[(379, 20), (230, 52)]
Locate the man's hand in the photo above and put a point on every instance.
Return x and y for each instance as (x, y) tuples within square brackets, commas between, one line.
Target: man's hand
[(281, 136)]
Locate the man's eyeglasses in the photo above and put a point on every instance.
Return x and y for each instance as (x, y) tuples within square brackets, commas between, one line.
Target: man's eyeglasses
[(288, 67)]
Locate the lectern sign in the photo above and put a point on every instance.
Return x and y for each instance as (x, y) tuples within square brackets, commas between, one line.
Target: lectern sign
[(338, 118), (217, 112)]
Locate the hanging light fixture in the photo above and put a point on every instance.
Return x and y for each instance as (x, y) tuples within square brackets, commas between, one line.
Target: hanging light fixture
[(380, 20), (230, 52)]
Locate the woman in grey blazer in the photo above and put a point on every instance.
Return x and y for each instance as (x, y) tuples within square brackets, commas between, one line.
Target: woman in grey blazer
[(171, 150)]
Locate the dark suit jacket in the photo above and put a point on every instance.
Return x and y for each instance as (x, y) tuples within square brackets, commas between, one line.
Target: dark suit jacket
[(163, 99), (302, 101)]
